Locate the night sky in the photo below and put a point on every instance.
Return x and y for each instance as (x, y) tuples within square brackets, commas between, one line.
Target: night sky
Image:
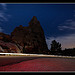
[(57, 20)]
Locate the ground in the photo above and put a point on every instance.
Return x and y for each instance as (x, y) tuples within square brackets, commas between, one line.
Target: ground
[(40, 64)]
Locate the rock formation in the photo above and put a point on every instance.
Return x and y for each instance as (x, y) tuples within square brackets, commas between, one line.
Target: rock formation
[(7, 45), (31, 38)]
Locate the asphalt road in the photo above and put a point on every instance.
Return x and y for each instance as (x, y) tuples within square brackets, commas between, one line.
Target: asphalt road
[(8, 60), (36, 64)]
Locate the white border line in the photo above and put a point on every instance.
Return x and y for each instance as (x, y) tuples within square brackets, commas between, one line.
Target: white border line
[(37, 3)]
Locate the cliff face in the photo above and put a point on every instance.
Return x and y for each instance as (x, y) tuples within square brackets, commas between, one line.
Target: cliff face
[(31, 38), (7, 45)]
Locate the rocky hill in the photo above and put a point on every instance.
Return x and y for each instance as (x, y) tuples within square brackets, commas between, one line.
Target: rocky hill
[(29, 39)]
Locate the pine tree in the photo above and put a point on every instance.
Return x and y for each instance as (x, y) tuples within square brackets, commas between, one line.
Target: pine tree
[(55, 46)]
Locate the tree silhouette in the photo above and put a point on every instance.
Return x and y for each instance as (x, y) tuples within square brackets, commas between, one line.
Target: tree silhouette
[(55, 46)]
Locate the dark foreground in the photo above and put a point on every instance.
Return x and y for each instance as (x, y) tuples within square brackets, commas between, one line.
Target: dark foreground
[(36, 64)]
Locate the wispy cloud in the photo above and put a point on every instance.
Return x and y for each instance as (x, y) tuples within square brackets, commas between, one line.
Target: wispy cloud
[(67, 41), (3, 15), (68, 24), (71, 27)]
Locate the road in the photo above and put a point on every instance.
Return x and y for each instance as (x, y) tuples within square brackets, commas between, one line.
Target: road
[(36, 64), (8, 60)]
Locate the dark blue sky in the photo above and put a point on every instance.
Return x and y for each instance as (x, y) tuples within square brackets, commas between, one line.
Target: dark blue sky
[(57, 20)]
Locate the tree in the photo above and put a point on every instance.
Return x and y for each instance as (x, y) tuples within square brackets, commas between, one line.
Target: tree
[(55, 46)]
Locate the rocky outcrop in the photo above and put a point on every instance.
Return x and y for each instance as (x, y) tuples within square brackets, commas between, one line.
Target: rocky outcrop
[(5, 37), (7, 45), (31, 38)]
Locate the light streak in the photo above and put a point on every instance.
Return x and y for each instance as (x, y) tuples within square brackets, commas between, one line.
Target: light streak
[(35, 55)]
